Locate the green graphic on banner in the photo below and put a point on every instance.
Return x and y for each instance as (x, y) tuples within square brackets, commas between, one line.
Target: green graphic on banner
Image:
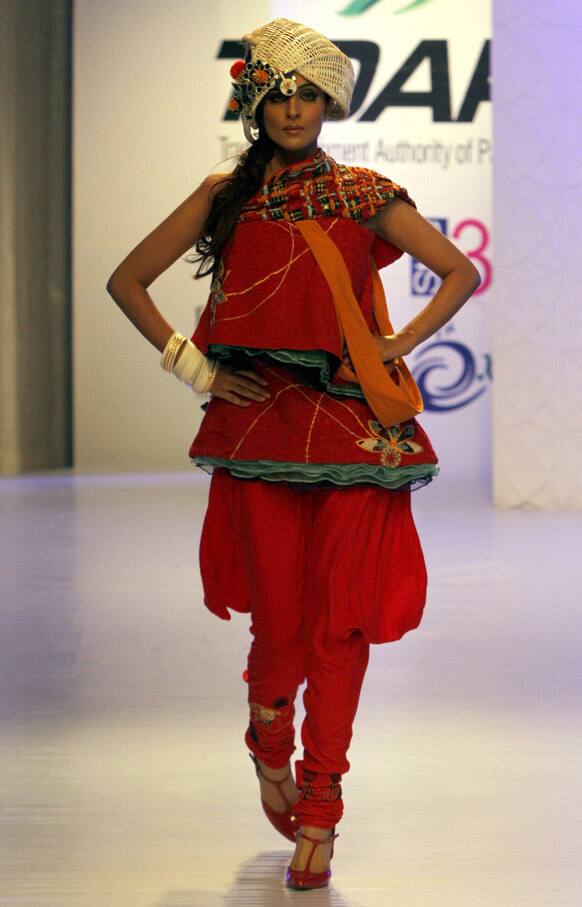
[(356, 7)]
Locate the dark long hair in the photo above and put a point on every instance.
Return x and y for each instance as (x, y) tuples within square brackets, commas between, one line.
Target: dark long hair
[(229, 196)]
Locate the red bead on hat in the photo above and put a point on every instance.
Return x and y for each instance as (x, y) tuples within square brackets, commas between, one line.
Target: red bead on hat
[(236, 68)]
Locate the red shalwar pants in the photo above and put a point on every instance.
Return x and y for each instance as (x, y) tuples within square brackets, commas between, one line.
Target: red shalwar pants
[(324, 573)]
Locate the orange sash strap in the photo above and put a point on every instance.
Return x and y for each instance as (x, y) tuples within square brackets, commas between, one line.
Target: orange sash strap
[(392, 399)]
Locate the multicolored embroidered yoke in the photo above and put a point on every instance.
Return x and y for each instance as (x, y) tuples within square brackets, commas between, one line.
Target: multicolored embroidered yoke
[(270, 309), (322, 188)]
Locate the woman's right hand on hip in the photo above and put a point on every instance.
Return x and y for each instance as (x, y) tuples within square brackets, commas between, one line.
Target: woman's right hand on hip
[(235, 385)]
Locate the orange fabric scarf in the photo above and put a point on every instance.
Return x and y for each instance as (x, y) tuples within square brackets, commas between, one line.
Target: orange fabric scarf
[(392, 400)]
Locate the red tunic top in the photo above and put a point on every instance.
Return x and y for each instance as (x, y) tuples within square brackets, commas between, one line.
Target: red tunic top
[(271, 309)]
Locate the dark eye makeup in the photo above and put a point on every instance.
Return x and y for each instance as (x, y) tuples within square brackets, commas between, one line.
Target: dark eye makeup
[(305, 92)]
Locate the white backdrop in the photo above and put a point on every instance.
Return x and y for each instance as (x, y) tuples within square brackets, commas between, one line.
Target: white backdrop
[(150, 95)]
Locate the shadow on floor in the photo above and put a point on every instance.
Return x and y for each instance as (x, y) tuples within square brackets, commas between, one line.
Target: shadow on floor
[(258, 883)]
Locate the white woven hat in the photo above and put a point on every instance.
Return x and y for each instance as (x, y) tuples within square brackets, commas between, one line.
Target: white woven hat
[(274, 53)]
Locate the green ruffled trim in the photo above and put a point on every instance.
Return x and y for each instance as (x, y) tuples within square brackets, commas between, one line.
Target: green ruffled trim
[(338, 473), (312, 359)]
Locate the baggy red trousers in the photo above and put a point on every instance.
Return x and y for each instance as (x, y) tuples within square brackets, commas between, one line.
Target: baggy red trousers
[(324, 573)]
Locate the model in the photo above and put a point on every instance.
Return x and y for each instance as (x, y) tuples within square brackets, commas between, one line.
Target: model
[(310, 433)]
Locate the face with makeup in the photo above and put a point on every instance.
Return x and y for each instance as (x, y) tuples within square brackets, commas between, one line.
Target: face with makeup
[(294, 122)]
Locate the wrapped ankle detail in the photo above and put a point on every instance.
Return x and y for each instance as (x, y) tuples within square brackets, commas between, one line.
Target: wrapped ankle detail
[(271, 732), (320, 803), (318, 786)]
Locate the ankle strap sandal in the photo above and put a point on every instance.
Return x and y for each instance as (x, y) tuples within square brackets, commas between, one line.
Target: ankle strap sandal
[(285, 822), (304, 879)]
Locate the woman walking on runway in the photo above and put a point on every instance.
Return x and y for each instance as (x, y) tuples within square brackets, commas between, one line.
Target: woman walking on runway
[(310, 432)]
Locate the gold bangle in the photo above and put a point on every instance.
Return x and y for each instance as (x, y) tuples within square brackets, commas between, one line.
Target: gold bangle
[(211, 376), (171, 350)]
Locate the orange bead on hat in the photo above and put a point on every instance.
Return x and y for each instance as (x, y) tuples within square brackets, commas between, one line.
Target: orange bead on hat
[(260, 76)]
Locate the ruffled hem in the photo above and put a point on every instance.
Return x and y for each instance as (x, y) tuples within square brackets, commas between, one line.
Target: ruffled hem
[(343, 474), (317, 364)]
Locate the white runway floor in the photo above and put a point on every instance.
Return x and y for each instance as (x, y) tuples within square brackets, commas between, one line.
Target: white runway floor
[(124, 779)]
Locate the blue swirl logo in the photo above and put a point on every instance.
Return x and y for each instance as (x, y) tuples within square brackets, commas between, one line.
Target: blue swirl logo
[(448, 377)]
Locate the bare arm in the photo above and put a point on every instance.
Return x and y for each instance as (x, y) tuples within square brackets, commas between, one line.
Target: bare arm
[(154, 255), (404, 227), (151, 257)]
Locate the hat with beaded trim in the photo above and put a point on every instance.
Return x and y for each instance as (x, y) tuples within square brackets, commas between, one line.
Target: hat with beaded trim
[(274, 53)]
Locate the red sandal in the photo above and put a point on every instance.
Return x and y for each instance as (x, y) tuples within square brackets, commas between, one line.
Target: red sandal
[(303, 879), (284, 822)]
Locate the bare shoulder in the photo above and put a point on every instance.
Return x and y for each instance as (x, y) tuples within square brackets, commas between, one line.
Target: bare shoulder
[(213, 178), (396, 211), (212, 183)]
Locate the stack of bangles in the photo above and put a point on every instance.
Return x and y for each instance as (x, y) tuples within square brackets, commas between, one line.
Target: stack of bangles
[(193, 367)]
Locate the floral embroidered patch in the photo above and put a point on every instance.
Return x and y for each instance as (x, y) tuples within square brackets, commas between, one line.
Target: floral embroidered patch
[(391, 443), (262, 715)]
